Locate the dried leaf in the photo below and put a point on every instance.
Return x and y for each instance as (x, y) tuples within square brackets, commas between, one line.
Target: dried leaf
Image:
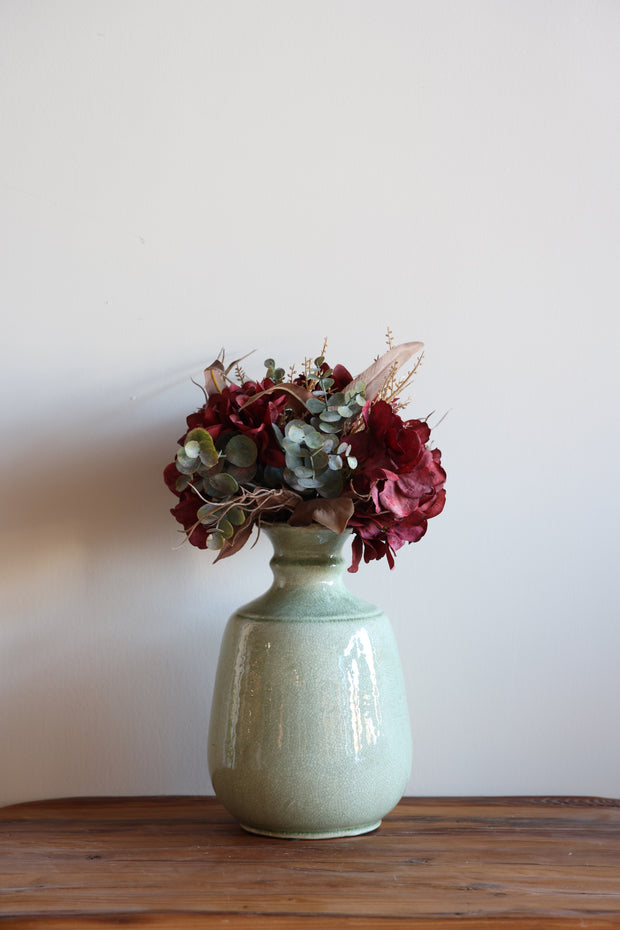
[(216, 375), (375, 375), (237, 542), (301, 394), (334, 513)]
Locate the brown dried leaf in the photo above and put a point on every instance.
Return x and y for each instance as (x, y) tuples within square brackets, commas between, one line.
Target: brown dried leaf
[(334, 513), (237, 541), (375, 375), (301, 394)]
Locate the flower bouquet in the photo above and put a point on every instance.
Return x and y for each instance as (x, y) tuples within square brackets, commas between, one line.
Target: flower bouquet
[(314, 446)]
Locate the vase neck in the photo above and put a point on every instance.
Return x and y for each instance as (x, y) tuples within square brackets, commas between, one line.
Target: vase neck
[(306, 554)]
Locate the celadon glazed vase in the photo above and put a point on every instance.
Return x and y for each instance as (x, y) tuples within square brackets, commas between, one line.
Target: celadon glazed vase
[(309, 734)]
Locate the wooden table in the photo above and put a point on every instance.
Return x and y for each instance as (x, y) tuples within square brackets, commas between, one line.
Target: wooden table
[(182, 862)]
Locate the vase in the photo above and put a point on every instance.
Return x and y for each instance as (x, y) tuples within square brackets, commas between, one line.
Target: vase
[(309, 733)]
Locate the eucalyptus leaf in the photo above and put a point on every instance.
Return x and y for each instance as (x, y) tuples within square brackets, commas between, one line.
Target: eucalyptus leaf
[(236, 516), (208, 513), (241, 451), (222, 485), (345, 412), (289, 476), (351, 461), (309, 483), (208, 457), (320, 460), (330, 416), (302, 471), (335, 462), (295, 431), (225, 527), (333, 486), (241, 475), (192, 449), (293, 448), (198, 434), (215, 540), (327, 426), (313, 438), (184, 464), (315, 405)]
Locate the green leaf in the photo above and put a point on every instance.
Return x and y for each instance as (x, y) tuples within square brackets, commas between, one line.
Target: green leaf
[(241, 451), (320, 460), (198, 435), (309, 483), (328, 426), (215, 540), (345, 412), (314, 405), (236, 516), (302, 471), (208, 513), (241, 475), (293, 448), (335, 462), (186, 465), (330, 416), (182, 483), (192, 449), (222, 485), (199, 444), (225, 527), (351, 461), (312, 437), (295, 431)]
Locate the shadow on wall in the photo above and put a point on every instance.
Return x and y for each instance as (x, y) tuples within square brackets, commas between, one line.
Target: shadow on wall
[(109, 638)]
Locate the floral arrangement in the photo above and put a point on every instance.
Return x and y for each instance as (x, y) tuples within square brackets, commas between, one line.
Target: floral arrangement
[(317, 446)]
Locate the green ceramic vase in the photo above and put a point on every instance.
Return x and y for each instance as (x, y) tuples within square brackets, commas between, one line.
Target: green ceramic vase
[(309, 733)]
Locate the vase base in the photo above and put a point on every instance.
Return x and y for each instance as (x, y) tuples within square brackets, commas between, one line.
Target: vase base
[(313, 835)]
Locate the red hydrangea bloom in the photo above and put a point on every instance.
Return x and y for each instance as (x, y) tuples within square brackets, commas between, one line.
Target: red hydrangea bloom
[(221, 414), (400, 480)]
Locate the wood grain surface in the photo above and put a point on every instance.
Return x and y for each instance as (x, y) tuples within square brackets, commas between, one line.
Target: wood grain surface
[(183, 862)]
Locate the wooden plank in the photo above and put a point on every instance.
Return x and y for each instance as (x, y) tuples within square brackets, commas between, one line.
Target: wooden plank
[(184, 862)]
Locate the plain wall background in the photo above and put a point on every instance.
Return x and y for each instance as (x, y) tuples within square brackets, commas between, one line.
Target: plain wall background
[(180, 176)]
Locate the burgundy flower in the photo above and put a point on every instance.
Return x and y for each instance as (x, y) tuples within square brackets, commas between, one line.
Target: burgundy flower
[(227, 412), (223, 413), (400, 483)]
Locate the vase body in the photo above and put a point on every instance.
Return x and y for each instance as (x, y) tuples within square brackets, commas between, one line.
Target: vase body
[(309, 733)]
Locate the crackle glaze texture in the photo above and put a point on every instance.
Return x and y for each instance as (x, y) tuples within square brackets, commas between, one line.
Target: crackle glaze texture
[(309, 732)]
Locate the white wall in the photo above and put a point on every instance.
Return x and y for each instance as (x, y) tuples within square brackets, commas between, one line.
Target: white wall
[(177, 177)]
